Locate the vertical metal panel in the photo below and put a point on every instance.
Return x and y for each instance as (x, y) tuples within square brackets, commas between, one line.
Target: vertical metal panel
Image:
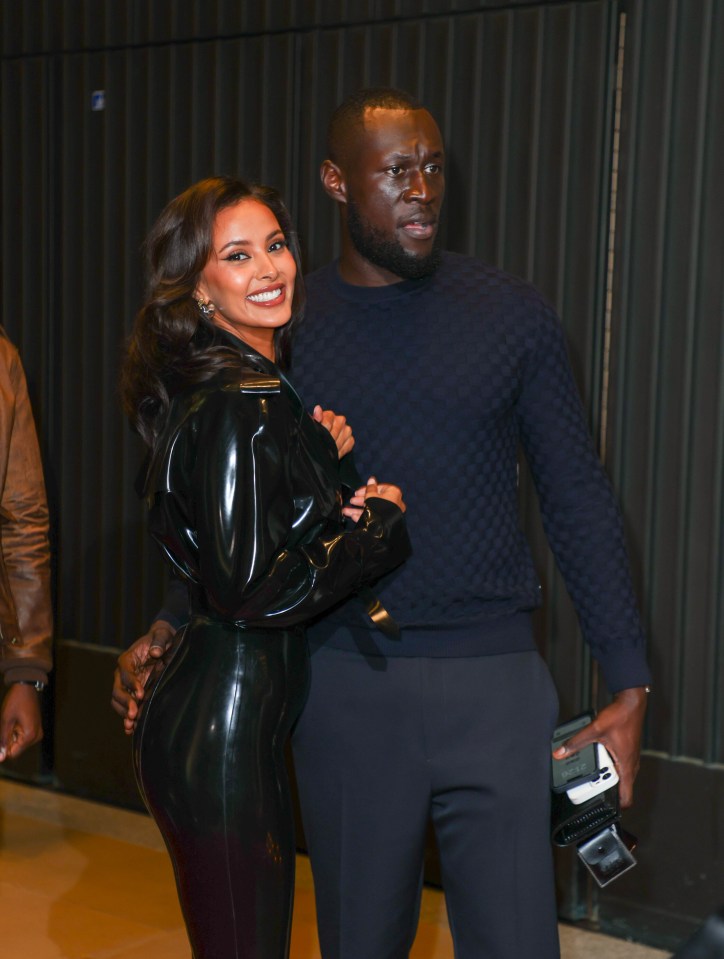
[(668, 439)]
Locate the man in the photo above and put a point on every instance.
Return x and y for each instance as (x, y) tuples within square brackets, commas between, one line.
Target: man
[(25, 608), (444, 365)]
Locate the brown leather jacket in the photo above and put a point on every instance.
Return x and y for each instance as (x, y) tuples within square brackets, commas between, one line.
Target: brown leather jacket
[(26, 623)]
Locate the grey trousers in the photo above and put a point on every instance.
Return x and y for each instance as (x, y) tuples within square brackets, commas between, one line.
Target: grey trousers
[(382, 746)]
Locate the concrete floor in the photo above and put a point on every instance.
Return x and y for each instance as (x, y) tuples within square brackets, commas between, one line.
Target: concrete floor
[(80, 880)]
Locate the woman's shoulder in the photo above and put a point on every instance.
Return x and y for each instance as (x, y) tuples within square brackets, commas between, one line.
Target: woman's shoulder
[(221, 389), (204, 416)]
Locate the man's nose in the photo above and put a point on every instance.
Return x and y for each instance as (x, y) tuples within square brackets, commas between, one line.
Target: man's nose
[(418, 187)]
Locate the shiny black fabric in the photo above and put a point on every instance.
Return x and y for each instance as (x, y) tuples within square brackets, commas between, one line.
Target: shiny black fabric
[(209, 761), (245, 501)]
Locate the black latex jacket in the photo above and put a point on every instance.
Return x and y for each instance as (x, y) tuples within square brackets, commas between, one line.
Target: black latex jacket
[(245, 499)]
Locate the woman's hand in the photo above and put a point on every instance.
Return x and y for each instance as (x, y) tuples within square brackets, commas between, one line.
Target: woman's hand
[(386, 491), (338, 427)]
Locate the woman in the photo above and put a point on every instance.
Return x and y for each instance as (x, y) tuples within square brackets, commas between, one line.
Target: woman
[(245, 501)]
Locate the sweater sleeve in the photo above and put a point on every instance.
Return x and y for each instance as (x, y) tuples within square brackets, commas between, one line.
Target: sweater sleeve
[(580, 514), (240, 515)]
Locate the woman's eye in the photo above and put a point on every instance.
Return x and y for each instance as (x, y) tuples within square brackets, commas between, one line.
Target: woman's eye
[(278, 245), (238, 255)]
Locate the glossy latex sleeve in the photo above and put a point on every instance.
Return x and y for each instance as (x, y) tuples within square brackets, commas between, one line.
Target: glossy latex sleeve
[(252, 530)]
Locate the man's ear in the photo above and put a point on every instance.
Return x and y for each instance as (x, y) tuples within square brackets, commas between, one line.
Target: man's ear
[(333, 181)]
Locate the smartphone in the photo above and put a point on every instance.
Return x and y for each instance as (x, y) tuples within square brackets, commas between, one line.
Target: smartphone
[(579, 767), (604, 779)]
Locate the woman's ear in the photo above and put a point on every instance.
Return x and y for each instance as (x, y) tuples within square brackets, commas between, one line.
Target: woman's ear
[(333, 181)]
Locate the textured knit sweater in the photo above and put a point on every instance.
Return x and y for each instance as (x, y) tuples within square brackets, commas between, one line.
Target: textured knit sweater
[(443, 380)]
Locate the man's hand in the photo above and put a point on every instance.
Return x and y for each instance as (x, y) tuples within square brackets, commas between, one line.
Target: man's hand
[(20, 723), (135, 667), (618, 726), (338, 427)]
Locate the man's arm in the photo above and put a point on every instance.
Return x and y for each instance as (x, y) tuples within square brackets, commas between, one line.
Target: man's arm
[(585, 531)]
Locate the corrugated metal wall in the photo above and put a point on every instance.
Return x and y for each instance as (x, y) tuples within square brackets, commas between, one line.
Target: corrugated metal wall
[(666, 448), (667, 443)]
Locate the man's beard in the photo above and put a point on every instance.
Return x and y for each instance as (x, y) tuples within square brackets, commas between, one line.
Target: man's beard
[(386, 251)]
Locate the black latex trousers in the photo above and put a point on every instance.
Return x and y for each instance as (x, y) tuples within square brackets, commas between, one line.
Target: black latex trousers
[(209, 760)]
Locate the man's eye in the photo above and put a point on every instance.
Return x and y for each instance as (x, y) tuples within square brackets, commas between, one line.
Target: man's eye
[(394, 170), (433, 168)]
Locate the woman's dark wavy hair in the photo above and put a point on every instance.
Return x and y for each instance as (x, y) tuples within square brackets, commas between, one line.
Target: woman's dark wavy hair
[(172, 345)]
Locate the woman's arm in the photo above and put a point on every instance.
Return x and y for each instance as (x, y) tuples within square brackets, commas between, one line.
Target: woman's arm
[(244, 512)]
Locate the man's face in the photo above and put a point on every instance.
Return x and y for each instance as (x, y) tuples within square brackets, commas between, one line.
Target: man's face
[(395, 186)]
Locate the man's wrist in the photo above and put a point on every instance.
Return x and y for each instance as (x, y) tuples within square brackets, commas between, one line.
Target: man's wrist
[(634, 697), (39, 686)]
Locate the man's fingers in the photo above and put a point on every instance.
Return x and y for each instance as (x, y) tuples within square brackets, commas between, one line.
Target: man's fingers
[(11, 740), (584, 737), (126, 684)]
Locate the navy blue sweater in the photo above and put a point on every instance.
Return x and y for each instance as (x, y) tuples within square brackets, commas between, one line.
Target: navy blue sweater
[(442, 380)]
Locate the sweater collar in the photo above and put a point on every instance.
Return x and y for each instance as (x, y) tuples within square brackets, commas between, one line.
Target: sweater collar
[(374, 294)]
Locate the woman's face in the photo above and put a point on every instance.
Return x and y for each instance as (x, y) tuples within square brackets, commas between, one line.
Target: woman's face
[(250, 274)]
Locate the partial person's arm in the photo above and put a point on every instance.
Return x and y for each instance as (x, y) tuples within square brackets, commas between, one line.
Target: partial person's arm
[(25, 656), (20, 722)]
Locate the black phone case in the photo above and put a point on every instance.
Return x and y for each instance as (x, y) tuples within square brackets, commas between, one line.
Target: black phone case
[(588, 756)]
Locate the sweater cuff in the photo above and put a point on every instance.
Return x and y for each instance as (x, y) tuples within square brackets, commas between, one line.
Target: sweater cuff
[(28, 674), (167, 615), (625, 669)]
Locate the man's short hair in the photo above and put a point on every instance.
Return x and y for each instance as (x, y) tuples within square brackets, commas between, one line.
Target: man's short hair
[(349, 115)]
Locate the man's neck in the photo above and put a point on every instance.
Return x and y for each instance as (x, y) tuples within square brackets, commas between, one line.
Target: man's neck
[(356, 270)]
